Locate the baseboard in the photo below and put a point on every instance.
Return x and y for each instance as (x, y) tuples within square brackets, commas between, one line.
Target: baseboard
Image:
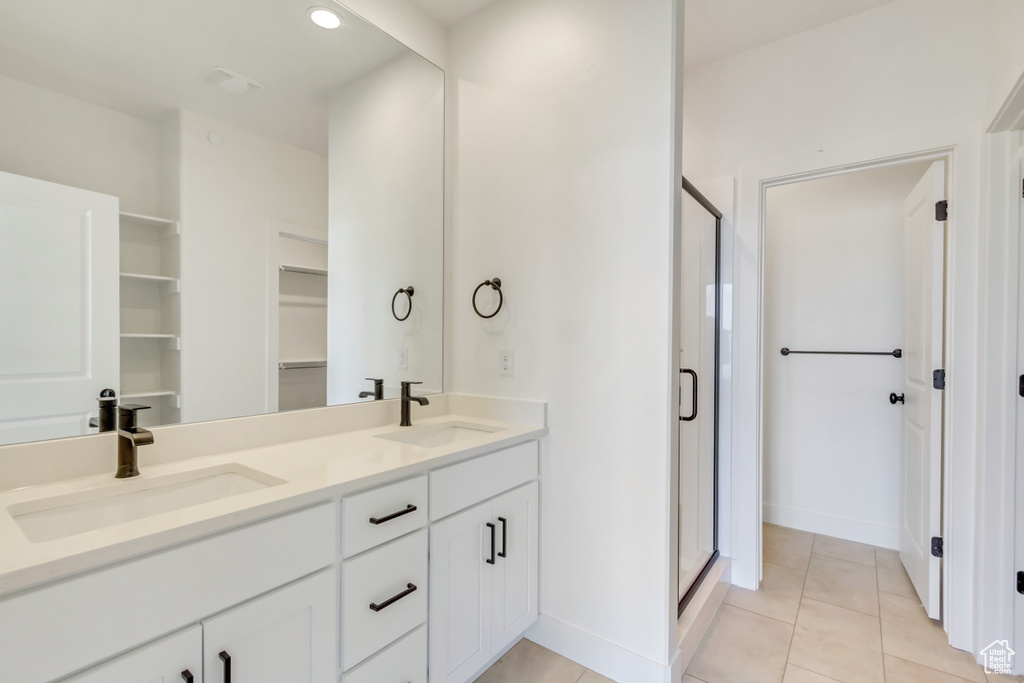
[(608, 659), (701, 611), (828, 525)]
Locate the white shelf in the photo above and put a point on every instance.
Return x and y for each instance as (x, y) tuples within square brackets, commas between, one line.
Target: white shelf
[(148, 394), (138, 335), (302, 238), (140, 275), (152, 221), (287, 268), (301, 364)]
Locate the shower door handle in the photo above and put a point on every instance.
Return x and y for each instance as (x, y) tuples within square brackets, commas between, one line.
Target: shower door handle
[(693, 415)]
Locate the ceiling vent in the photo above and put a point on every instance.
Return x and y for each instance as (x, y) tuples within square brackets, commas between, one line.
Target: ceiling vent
[(229, 81)]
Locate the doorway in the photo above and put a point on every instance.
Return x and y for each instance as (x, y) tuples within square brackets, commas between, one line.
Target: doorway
[(852, 330), (700, 312)]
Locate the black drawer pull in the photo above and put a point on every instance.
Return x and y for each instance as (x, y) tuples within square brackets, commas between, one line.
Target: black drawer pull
[(394, 515), (504, 537), (409, 588), (226, 658), (186, 676), (491, 527)]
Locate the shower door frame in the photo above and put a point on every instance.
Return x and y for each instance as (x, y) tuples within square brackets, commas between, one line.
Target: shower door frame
[(691, 190)]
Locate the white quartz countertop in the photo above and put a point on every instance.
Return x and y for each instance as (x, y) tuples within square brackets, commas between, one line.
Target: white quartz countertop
[(313, 470)]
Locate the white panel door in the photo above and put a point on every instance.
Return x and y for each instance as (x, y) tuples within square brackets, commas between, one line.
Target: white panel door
[(460, 595), (59, 312), (287, 635), (514, 601), (920, 496), (177, 658)]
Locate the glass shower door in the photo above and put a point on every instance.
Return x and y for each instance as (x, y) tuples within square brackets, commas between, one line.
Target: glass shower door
[(700, 312)]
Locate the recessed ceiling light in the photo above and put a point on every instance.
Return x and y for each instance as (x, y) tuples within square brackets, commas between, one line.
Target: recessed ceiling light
[(324, 18)]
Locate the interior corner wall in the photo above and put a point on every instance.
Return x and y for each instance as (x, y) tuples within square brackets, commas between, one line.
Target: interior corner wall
[(229, 194), (904, 77), (61, 139), (384, 236), (407, 23), (565, 189), (832, 281)]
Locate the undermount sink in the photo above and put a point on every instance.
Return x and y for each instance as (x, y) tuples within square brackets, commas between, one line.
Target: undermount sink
[(46, 519), (432, 436)]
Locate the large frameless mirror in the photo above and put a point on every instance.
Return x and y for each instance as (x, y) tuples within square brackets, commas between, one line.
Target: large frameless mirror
[(215, 208)]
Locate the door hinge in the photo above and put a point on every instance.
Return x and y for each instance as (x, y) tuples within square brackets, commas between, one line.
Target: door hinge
[(936, 546), (941, 210), (939, 379), (1020, 582), (1020, 386)]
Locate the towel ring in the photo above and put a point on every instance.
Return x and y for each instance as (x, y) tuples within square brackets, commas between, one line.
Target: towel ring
[(494, 284), (408, 291)]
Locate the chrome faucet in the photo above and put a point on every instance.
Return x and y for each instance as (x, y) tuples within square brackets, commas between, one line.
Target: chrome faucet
[(378, 390), (129, 437), (407, 398)]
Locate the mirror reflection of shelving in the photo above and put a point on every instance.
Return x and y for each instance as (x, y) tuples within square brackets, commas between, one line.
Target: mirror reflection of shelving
[(150, 298), (302, 321)]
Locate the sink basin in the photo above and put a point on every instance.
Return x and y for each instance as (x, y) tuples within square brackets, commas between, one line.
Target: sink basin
[(432, 436), (46, 519)]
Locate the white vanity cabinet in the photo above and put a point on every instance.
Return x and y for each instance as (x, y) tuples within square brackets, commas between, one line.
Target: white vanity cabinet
[(283, 636), (173, 659), (483, 564)]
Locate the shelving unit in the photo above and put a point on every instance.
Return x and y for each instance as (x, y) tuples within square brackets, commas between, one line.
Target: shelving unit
[(302, 321), (151, 316)]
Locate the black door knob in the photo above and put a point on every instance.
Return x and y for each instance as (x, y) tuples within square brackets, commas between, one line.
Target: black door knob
[(894, 399)]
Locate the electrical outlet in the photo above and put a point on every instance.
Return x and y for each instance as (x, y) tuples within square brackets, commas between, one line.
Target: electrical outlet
[(506, 363), (403, 358)]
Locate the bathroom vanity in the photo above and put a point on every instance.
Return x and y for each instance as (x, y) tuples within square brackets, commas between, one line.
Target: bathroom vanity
[(348, 556)]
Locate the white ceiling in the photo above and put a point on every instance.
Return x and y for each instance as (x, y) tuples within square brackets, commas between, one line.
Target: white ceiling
[(145, 58), (720, 28), (452, 11)]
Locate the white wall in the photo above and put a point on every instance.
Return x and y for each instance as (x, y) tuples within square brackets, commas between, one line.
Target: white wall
[(907, 76), (833, 282), (407, 23), (229, 195), (61, 139), (1005, 52), (567, 189), (386, 228)]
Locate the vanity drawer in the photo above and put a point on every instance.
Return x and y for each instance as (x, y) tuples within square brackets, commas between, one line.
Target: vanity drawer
[(402, 662), (383, 578), (377, 516), (460, 486)]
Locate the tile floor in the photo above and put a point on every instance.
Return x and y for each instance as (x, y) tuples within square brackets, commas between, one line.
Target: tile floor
[(828, 611)]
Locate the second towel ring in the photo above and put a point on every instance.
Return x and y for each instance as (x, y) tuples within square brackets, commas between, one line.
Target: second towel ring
[(408, 291), (495, 284)]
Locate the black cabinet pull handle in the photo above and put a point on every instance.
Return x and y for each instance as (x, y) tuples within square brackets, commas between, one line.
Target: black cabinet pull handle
[(409, 588), (226, 658), (186, 676), (394, 515), (504, 537), (692, 416), (894, 399), (492, 528)]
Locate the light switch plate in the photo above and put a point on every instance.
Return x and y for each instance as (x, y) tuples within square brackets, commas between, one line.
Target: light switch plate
[(403, 358)]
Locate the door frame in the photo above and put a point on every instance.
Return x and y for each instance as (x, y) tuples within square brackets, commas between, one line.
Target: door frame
[(960, 330)]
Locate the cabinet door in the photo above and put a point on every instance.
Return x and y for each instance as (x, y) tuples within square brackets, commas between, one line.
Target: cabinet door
[(515, 572), (287, 635), (460, 595), (168, 660)]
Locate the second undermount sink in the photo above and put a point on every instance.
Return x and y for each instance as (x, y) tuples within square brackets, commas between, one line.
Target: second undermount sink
[(46, 519), (432, 436)]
